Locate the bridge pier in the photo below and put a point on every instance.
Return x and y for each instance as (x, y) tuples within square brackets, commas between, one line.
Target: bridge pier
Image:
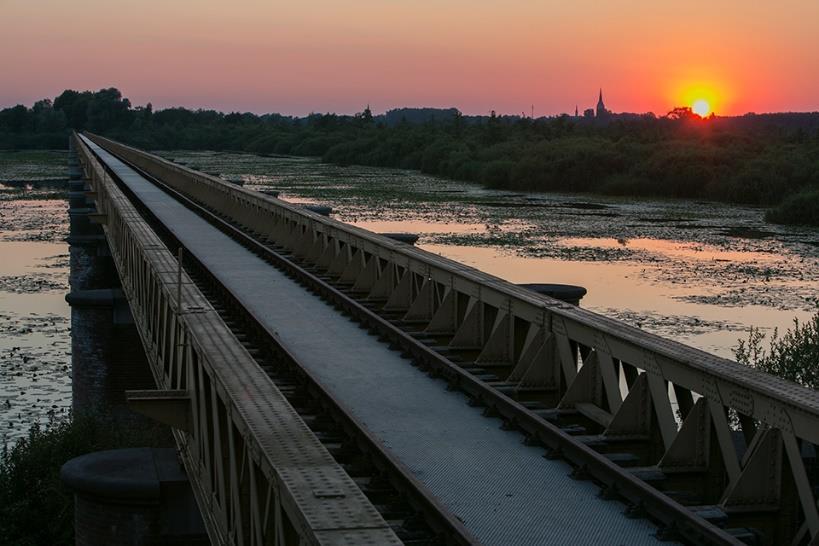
[(137, 496)]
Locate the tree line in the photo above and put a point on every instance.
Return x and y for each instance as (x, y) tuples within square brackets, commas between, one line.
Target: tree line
[(764, 160)]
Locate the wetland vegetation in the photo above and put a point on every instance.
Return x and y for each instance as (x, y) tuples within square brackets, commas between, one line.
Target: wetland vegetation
[(761, 160)]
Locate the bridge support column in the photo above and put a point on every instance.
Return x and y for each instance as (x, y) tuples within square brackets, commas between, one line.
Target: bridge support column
[(138, 496)]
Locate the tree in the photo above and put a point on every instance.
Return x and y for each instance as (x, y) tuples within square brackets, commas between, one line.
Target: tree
[(45, 118), (74, 106), (16, 119), (107, 109), (682, 113)]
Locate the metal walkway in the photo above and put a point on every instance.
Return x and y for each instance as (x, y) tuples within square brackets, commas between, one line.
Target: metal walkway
[(503, 491)]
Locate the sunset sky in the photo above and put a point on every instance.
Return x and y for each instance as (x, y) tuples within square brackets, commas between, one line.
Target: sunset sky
[(476, 55)]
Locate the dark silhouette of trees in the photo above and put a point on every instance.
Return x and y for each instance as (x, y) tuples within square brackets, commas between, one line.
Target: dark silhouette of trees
[(754, 159), (682, 113)]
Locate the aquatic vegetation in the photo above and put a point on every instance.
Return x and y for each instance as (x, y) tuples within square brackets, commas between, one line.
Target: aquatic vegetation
[(32, 165)]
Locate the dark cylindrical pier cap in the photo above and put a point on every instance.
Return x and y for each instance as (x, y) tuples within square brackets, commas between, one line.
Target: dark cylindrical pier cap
[(324, 210), (564, 292), (409, 238), (118, 474), (137, 496)]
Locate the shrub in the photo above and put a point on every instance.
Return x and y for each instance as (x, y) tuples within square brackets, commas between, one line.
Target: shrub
[(34, 506), (794, 356), (495, 174), (799, 209)]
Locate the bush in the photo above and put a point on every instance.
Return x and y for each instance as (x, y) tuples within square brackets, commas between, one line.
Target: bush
[(794, 356), (34, 506), (495, 174), (799, 209)]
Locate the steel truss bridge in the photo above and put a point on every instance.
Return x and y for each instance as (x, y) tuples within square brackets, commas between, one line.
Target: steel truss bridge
[(329, 385)]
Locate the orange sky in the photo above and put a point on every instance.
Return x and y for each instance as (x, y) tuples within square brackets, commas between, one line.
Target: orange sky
[(338, 55)]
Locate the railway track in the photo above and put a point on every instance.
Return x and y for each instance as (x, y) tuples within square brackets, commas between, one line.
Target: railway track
[(415, 515)]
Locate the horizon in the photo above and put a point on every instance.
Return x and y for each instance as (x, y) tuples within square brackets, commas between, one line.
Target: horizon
[(405, 107), (253, 57)]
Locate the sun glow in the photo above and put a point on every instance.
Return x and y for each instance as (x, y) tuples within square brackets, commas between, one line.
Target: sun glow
[(701, 107), (704, 96)]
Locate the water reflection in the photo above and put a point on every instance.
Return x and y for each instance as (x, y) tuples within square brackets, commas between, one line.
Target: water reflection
[(35, 353), (670, 248)]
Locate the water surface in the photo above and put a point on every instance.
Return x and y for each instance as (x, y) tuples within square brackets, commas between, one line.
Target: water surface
[(35, 349)]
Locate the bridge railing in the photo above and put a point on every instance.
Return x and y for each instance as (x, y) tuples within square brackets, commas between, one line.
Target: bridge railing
[(253, 463), (745, 434)]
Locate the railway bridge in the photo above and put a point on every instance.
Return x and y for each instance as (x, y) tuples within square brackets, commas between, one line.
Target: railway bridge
[(329, 385)]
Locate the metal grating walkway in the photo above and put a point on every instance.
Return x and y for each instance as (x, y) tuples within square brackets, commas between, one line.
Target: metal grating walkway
[(503, 491)]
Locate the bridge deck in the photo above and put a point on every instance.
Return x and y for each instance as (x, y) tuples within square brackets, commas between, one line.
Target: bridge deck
[(503, 491)]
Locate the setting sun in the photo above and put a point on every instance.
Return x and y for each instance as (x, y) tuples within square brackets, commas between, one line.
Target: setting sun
[(704, 95), (701, 107)]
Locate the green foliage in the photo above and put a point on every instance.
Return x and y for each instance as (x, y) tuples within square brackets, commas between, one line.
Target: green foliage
[(34, 506), (794, 356), (799, 209)]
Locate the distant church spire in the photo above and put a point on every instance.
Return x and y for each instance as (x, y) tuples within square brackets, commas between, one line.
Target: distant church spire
[(601, 108)]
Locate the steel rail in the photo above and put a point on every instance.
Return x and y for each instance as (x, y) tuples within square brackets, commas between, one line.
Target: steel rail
[(675, 520), (448, 529)]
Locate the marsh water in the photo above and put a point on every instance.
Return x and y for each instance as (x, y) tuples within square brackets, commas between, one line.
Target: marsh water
[(699, 273), (35, 347)]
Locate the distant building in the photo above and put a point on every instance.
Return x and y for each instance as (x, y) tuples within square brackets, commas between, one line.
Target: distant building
[(601, 112)]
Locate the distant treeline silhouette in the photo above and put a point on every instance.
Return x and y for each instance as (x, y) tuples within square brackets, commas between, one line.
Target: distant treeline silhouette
[(767, 160)]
